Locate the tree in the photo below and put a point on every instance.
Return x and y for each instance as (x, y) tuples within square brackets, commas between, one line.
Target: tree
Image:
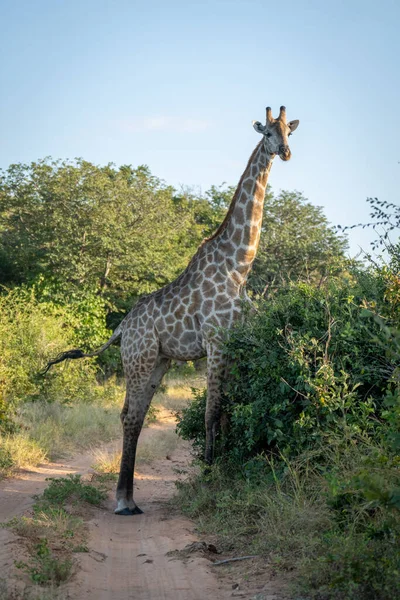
[(119, 231)]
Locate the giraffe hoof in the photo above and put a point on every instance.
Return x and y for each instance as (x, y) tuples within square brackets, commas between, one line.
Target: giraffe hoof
[(128, 512)]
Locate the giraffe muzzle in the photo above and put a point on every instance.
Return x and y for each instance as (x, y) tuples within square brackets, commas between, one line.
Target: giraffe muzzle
[(284, 152)]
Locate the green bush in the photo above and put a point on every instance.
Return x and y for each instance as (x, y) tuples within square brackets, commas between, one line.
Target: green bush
[(334, 526), (308, 472), (31, 333), (308, 364), (69, 489), (191, 423)]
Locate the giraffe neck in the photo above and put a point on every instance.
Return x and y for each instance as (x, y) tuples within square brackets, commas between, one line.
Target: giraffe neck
[(239, 234)]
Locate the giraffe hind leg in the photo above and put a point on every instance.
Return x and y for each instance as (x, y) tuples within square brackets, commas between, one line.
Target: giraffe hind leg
[(140, 391), (215, 372)]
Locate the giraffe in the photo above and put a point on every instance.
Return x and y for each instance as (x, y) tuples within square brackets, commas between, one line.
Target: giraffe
[(184, 320)]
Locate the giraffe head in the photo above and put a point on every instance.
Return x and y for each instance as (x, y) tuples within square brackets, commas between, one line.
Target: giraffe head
[(276, 133)]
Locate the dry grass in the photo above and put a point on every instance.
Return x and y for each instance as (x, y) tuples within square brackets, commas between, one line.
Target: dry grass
[(107, 461), (34, 593), (159, 446), (55, 524), (49, 431), (52, 431), (19, 452), (177, 391)]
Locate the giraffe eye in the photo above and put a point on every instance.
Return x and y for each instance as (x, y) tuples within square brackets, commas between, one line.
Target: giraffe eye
[(268, 134)]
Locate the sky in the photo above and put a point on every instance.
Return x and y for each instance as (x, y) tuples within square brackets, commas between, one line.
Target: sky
[(176, 85)]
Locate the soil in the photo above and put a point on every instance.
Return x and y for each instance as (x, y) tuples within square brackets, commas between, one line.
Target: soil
[(154, 556)]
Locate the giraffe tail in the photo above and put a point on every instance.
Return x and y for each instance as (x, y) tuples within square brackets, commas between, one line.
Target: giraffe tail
[(77, 353)]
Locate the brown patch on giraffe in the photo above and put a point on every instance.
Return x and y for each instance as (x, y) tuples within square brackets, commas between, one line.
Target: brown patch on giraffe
[(188, 338), (239, 216), (185, 292), (232, 287), (195, 300), (209, 271), (169, 319), (174, 301), (237, 237), (178, 314), (198, 278), (178, 329), (207, 307), (238, 279), (245, 255), (248, 188), (220, 277), (222, 302), (188, 323), (228, 248), (208, 287)]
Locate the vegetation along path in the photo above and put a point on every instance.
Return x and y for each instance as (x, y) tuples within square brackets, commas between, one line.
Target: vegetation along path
[(128, 557)]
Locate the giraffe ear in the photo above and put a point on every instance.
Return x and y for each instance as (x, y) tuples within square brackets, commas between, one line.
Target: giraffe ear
[(293, 125), (258, 127)]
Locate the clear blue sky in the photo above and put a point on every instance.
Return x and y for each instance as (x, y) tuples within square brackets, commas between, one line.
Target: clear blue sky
[(176, 84)]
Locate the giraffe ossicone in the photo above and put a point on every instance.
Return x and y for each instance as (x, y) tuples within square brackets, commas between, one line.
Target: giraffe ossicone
[(184, 319)]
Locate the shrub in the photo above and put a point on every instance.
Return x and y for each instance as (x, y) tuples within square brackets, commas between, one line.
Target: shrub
[(335, 526), (69, 489), (31, 333), (308, 364)]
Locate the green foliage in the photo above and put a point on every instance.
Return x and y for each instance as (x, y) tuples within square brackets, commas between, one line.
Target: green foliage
[(6, 461), (52, 534), (44, 568), (118, 231), (69, 489), (190, 421), (308, 471), (308, 363), (31, 333), (329, 522)]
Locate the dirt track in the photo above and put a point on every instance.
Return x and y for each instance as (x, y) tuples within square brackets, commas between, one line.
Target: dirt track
[(128, 555)]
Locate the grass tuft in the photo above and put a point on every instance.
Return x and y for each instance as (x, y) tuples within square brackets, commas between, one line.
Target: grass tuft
[(70, 489), (53, 534), (45, 568)]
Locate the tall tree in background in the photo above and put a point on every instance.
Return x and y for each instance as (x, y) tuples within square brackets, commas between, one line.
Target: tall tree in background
[(121, 231)]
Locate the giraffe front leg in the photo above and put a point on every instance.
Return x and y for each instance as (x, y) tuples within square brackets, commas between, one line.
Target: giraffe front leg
[(215, 371), (132, 425)]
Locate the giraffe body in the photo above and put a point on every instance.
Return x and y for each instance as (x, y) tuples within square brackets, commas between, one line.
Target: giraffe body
[(185, 319)]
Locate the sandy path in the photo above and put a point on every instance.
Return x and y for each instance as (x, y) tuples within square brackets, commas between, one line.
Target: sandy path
[(128, 554)]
